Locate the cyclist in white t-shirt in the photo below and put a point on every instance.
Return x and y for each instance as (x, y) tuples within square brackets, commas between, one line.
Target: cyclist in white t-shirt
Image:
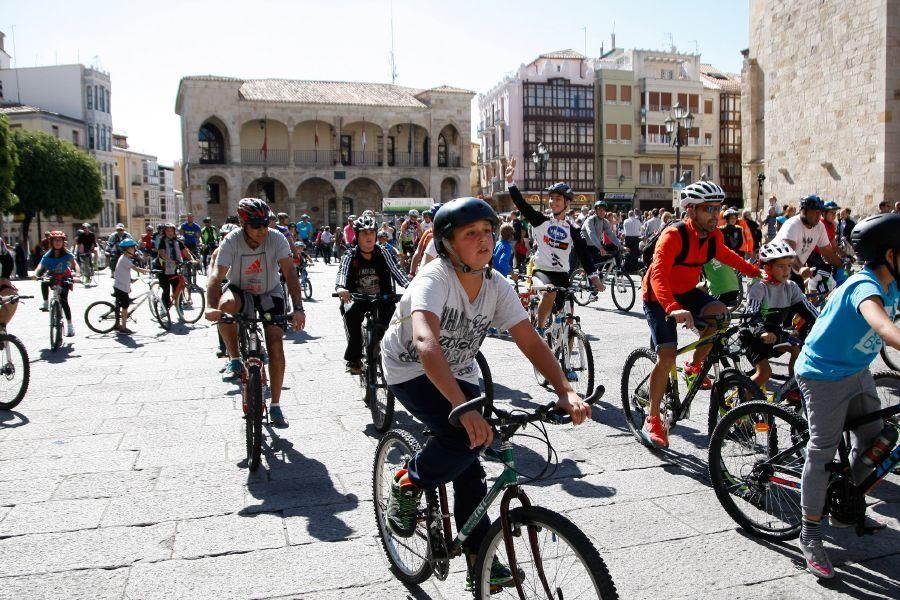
[(805, 232)]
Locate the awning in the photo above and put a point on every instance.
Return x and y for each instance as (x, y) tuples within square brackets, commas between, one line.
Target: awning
[(617, 196), (404, 205)]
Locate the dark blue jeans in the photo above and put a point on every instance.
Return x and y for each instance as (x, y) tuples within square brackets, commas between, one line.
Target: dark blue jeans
[(446, 456)]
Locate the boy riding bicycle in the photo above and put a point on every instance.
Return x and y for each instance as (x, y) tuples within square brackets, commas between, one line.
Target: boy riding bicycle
[(773, 302), (671, 296), (833, 371), (250, 258), (122, 283), (366, 268), (429, 359)]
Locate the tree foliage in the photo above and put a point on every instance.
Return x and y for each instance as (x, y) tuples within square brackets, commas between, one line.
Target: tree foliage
[(8, 162), (54, 177)]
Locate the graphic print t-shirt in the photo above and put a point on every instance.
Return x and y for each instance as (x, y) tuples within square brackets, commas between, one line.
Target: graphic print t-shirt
[(254, 270), (805, 239), (554, 244), (464, 324)]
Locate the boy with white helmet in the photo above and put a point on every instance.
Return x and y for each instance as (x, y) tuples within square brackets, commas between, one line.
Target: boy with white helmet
[(773, 302)]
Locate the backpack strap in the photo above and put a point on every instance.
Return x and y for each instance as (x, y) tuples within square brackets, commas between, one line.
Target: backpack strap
[(685, 243)]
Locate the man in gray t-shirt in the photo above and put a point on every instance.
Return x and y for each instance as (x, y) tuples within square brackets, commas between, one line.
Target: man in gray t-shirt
[(253, 258)]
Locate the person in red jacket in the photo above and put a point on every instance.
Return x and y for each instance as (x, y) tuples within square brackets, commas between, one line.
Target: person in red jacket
[(670, 292)]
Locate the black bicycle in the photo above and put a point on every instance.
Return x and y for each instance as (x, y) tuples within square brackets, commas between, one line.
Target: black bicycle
[(15, 368), (375, 392), (253, 378), (756, 457), (731, 386)]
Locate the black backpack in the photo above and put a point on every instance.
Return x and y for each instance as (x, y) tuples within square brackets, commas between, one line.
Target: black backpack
[(650, 247)]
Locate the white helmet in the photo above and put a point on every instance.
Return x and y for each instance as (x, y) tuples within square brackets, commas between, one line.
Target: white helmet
[(413, 213), (700, 192), (775, 250), (730, 212)]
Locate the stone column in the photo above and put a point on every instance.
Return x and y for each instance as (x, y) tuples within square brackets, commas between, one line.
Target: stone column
[(290, 130)]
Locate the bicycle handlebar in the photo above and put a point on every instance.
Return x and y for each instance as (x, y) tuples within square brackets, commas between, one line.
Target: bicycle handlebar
[(13, 299), (510, 421)]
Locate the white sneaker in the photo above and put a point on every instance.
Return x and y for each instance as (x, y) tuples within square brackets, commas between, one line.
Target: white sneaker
[(70, 330), (44, 306), (817, 561)]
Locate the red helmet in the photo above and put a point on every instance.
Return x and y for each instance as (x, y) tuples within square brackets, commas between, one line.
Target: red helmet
[(253, 211), (57, 235)]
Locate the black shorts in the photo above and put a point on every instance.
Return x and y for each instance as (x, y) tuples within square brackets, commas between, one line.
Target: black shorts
[(556, 279), (663, 330), (757, 350), (123, 300), (265, 306), (408, 247)]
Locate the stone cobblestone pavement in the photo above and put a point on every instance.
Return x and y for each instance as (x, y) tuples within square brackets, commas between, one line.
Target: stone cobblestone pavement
[(120, 478)]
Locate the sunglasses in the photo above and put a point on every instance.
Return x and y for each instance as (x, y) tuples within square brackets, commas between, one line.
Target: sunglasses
[(258, 226), (710, 208)]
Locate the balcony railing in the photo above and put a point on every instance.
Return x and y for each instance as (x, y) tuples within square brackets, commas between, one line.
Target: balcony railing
[(255, 156), (140, 211), (405, 159), (450, 162), (361, 158), (553, 112), (315, 157)]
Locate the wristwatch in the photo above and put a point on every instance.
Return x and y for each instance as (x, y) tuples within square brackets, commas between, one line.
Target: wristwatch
[(300, 309)]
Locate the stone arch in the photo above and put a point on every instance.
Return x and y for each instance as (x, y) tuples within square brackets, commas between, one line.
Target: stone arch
[(359, 144), (449, 189), (448, 147), (307, 151), (269, 189), (411, 145), (312, 198), (272, 133), (408, 187), (213, 140), (365, 194)]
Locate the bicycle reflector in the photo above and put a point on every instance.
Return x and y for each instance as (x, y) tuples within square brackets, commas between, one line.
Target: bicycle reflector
[(761, 427)]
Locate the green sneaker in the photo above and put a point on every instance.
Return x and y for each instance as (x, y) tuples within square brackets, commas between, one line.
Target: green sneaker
[(402, 507), (501, 576)]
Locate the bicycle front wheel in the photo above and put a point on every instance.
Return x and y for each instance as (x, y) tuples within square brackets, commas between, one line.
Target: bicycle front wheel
[(55, 326), (191, 303), (890, 356), (408, 557), (159, 310), (487, 383), (731, 389), (15, 371), (756, 457), (100, 317), (307, 288), (553, 558), (579, 369), (623, 291), (252, 393)]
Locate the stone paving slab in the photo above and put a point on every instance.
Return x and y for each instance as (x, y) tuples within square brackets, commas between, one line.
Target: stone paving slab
[(137, 448)]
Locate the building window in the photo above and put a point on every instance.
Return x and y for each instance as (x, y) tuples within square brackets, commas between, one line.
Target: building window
[(442, 151), (612, 166), (625, 169), (90, 98), (624, 134), (212, 147), (91, 137), (213, 193), (625, 94), (97, 97), (108, 101), (666, 74), (708, 172), (610, 93), (707, 139), (75, 139), (55, 131), (654, 134), (687, 173), (708, 106), (651, 174), (610, 133)]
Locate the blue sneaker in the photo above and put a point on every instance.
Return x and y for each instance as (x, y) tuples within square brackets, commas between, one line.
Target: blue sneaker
[(232, 370), (277, 417)]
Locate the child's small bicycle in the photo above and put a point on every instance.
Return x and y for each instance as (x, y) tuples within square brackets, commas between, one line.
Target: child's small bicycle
[(548, 555), (102, 316)]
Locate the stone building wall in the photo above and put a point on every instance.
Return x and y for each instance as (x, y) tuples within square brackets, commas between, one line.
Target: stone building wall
[(819, 101)]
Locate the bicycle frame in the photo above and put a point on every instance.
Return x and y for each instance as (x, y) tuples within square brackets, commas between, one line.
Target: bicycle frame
[(682, 410)]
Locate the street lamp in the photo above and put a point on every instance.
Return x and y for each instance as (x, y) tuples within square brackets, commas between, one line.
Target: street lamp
[(541, 157), (680, 119)]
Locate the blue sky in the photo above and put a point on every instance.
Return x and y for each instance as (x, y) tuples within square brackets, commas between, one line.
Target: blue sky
[(148, 47)]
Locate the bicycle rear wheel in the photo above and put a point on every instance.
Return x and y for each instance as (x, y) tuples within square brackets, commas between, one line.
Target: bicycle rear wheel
[(100, 317), (553, 557), (887, 383), (55, 326), (756, 457), (159, 310), (408, 557), (636, 388), (191, 303), (623, 291), (15, 371), (253, 420), (579, 281)]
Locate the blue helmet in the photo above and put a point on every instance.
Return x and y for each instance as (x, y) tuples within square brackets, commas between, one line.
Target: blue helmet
[(830, 205), (127, 243), (812, 202)]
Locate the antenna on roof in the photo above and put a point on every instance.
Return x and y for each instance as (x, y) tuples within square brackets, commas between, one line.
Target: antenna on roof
[(671, 40), (696, 46), (584, 29), (393, 59)]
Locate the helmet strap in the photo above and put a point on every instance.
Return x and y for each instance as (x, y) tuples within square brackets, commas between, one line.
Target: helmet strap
[(463, 267)]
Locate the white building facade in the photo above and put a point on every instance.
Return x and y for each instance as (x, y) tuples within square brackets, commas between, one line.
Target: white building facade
[(327, 149)]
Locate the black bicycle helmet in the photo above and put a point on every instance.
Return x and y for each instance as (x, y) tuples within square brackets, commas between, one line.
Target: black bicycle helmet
[(873, 236), (253, 211), (433, 210), (600, 204), (562, 189), (459, 213), (812, 202)]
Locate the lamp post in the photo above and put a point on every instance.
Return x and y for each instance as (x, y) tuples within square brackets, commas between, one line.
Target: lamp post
[(680, 119), (540, 158)]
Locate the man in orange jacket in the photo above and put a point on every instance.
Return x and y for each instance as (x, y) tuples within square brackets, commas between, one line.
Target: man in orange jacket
[(670, 292)]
